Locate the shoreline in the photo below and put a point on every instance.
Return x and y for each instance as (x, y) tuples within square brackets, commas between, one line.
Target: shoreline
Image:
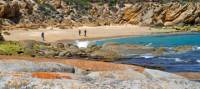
[(94, 33), (154, 34)]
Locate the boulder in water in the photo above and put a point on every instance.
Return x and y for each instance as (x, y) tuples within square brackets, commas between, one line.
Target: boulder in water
[(183, 48), (105, 55)]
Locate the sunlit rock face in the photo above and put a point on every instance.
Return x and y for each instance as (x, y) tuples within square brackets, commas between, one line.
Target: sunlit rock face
[(21, 74), (52, 12)]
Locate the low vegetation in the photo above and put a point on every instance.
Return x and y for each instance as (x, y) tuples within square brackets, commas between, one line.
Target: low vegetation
[(68, 50), (187, 28), (79, 4), (10, 48), (18, 48)]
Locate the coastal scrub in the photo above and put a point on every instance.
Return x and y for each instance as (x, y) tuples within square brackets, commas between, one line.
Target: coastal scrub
[(10, 48)]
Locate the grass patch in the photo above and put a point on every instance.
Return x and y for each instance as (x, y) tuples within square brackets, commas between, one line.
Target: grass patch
[(10, 48), (187, 28), (183, 28)]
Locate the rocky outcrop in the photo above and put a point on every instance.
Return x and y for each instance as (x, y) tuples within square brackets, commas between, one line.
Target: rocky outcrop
[(169, 14), (65, 14), (27, 66), (1, 37), (9, 10), (99, 75), (109, 52)]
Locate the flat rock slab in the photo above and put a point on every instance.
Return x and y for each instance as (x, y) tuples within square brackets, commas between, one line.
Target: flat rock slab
[(190, 75), (55, 74), (9, 82), (28, 66)]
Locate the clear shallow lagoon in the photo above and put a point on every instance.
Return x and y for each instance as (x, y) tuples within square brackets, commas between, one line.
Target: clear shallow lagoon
[(159, 40), (182, 62)]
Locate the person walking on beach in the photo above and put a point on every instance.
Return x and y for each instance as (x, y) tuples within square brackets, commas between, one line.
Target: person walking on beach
[(85, 33), (79, 32), (42, 36)]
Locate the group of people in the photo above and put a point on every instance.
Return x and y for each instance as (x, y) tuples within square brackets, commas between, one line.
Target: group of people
[(80, 34), (85, 33)]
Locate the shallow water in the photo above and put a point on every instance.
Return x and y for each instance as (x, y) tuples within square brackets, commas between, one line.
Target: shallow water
[(158, 40), (181, 62)]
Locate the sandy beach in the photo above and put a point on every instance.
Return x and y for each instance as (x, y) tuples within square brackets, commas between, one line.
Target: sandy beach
[(55, 34)]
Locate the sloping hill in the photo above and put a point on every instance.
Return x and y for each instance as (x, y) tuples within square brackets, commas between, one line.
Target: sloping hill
[(70, 13)]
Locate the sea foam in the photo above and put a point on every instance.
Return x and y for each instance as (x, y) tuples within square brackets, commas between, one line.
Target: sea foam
[(147, 56), (82, 44), (178, 60), (198, 61)]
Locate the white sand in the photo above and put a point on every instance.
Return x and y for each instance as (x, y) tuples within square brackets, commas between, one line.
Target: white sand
[(54, 34)]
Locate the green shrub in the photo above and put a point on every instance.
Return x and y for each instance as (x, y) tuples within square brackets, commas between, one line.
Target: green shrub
[(46, 9), (78, 3), (40, 1), (183, 28), (198, 28), (10, 48), (112, 3)]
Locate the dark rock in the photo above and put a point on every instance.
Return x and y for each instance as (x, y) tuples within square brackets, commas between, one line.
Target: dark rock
[(126, 49), (105, 55), (62, 54), (183, 48), (30, 52), (1, 37), (82, 54), (51, 53), (60, 46), (91, 45), (68, 54), (159, 51), (92, 48)]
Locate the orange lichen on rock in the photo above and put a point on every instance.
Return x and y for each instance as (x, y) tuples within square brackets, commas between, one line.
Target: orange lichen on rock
[(48, 75), (15, 74), (100, 66), (82, 64), (190, 75)]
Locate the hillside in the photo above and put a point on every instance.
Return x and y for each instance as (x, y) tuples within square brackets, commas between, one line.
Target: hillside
[(70, 13)]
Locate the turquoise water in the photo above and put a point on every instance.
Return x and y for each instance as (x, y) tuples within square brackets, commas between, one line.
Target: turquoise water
[(182, 62), (159, 40)]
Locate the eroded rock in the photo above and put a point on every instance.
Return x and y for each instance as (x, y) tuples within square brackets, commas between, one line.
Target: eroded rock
[(127, 78)]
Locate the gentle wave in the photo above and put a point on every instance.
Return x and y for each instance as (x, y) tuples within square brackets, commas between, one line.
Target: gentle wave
[(198, 61), (175, 59), (178, 60), (149, 44), (82, 44), (147, 56), (198, 48)]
